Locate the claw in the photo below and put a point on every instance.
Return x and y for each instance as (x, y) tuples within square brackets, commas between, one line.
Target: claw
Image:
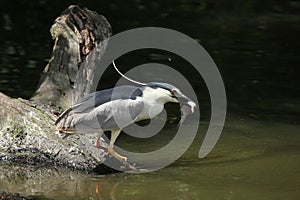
[(117, 156), (120, 158), (132, 167)]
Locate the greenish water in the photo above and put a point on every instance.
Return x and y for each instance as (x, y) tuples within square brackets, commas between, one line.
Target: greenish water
[(255, 45), (252, 160)]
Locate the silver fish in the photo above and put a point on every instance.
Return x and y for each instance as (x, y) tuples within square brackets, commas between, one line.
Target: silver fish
[(186, 110)]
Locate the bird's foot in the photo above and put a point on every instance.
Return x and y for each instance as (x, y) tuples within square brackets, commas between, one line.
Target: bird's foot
[(97, 145), (112, 152), (129, 166), (122, 159)]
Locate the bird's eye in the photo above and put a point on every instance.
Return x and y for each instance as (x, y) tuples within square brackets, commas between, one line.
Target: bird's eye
[(173, 92)]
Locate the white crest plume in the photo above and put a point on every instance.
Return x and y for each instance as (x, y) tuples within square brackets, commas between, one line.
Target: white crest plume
[(129, 79)]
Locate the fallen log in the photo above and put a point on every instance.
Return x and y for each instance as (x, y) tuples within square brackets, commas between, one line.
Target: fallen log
[(27, 131)]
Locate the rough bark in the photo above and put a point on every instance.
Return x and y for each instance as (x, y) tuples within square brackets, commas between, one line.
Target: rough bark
[(78, 35), (27, 131)]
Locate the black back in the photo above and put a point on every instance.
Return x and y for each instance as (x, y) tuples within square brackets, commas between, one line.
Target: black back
[(160, 85), (95, 99)]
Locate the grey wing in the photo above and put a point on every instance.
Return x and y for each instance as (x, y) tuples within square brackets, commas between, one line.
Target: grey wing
[(115, 114), (92, 101), (65, 119)]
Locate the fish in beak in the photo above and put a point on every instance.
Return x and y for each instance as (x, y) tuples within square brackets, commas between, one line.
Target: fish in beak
[(186, 110), (187, 106)]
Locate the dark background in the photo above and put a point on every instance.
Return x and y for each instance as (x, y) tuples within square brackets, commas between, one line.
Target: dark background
[(255, 44)]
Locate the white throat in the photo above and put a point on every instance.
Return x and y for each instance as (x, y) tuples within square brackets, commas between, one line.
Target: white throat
[(156, 96), (154, 100)]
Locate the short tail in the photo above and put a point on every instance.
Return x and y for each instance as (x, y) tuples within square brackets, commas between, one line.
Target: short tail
[(60, 122), (63, 115)]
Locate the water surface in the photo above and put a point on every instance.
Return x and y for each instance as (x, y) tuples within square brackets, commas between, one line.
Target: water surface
[(252, 160)]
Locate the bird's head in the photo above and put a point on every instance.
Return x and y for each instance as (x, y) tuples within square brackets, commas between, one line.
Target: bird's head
[(169, 93)]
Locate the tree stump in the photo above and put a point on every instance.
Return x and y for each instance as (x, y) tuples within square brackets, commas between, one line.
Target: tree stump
[(27, 131)]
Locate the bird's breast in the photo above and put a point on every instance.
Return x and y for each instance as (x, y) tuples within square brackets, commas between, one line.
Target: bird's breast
[(150, 110)]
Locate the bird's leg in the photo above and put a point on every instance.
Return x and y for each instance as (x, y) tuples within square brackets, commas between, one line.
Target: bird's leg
[(97, 143), (114, 135)]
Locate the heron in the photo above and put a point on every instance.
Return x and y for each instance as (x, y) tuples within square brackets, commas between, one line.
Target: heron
[(116, 108)]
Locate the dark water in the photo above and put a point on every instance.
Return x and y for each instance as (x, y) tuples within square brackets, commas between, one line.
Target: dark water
[(255, 45)]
